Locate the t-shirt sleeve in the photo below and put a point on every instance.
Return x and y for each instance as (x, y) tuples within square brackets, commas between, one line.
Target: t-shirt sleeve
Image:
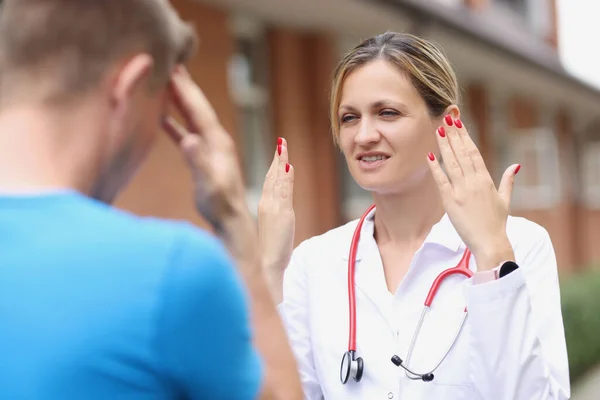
[(204, 334)]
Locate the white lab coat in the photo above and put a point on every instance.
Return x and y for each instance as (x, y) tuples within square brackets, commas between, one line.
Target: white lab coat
[(512, 346)]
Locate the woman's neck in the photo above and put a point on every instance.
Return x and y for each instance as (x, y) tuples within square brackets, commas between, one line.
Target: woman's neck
[(406, 219)]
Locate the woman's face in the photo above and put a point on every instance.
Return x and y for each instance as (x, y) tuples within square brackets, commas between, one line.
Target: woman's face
[(386, 130)]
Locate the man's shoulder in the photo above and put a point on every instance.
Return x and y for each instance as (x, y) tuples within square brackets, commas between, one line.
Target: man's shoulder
[(191, 257), (125, 233)]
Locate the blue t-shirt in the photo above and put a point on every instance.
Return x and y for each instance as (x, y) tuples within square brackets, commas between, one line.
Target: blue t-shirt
[(96, 303)]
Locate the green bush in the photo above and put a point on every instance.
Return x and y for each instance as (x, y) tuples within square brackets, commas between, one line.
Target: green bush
[(580, 295)]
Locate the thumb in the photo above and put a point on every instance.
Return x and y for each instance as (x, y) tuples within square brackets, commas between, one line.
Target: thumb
[(508, 182)]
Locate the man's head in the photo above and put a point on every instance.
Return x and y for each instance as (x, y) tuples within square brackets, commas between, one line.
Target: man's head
[(111, 58)]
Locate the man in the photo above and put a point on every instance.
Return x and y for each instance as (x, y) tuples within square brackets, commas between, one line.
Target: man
[(96, 303)]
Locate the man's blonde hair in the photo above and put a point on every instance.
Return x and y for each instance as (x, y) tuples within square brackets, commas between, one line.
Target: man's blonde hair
[(69, 45)]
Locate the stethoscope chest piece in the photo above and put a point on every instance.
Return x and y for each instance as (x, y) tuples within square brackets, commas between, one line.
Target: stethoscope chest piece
[(351, 366)]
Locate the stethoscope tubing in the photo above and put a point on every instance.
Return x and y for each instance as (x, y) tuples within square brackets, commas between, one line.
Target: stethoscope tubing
[(351, 291), (416, 376), (461, 268)]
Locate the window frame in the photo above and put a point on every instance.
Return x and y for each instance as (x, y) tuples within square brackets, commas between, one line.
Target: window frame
[(543, 142), (590, 160), (251, 98)]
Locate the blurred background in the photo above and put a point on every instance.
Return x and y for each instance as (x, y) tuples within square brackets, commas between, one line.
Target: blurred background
[(530, 78)]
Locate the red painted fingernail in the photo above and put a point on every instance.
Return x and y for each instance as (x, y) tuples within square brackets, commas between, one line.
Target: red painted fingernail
[(431, 156), (458, 123), (449, 120), (441, 131), (279, 141), (287, 167), (279, 149), (517, 169)]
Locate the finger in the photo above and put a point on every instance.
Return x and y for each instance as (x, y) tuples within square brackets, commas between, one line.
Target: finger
[(195, 108), (282, 160), (447, 154), (276, 167), (274, 161), (287, 194), (471, 148), (182, 69), (175, 98), (282, 151), (195, 152), (455, 135), (191, 145), (439, 176), (174, 129), (282, 141), (507, 183)]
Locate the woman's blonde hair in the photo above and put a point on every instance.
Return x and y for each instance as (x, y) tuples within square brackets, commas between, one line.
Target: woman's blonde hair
[(422, 61)]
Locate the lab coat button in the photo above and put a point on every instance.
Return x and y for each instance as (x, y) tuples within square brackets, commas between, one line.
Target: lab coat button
[(390, 395)]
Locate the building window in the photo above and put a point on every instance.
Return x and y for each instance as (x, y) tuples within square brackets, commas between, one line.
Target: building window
[(538, 184), (591, 174), (534, 15), (248, 89), (519, 6), (540, 18)]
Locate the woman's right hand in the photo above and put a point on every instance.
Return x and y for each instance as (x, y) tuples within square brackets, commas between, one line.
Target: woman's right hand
[(276, 219)]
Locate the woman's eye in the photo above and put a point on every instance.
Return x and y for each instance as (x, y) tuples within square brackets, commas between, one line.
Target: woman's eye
[(347, 118), (388, 113)]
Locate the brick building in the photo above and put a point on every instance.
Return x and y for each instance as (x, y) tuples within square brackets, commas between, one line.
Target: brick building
[(266, 65)]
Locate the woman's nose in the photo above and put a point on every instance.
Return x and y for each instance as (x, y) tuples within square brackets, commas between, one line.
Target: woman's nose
[(367, 132)]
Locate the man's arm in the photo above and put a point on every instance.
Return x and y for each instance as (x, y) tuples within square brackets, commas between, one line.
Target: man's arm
[(220, 198), (282, 379), (204, 334), (209, 343)]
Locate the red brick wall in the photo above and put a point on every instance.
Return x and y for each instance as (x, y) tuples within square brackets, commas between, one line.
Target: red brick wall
[(476, 4), (301, 65), (478, 103)]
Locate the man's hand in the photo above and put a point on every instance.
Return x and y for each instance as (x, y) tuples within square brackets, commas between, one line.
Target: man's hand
[(211, 155), (220, 198)]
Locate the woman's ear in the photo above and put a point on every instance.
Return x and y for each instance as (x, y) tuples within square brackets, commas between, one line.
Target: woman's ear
[(453, 111)]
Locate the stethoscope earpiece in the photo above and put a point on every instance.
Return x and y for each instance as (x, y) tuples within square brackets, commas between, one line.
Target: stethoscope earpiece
[(397, 361), (427, 377)]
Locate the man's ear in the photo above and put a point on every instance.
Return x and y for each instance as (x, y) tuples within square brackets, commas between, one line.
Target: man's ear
[(453, 111), (131, 77)]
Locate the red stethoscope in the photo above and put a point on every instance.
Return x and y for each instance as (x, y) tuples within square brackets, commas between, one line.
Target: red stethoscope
[(353, 365)]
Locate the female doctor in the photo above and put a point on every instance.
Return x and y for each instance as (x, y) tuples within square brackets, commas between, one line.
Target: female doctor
[(492, 331)]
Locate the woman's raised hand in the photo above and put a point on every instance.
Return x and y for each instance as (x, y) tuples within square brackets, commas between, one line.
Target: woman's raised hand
[(276, 219), (475, 207)]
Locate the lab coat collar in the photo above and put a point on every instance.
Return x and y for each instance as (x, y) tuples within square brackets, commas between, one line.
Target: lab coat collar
[(441, 234)]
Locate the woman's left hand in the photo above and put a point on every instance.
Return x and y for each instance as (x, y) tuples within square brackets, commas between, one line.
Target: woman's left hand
[(475, 207)]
